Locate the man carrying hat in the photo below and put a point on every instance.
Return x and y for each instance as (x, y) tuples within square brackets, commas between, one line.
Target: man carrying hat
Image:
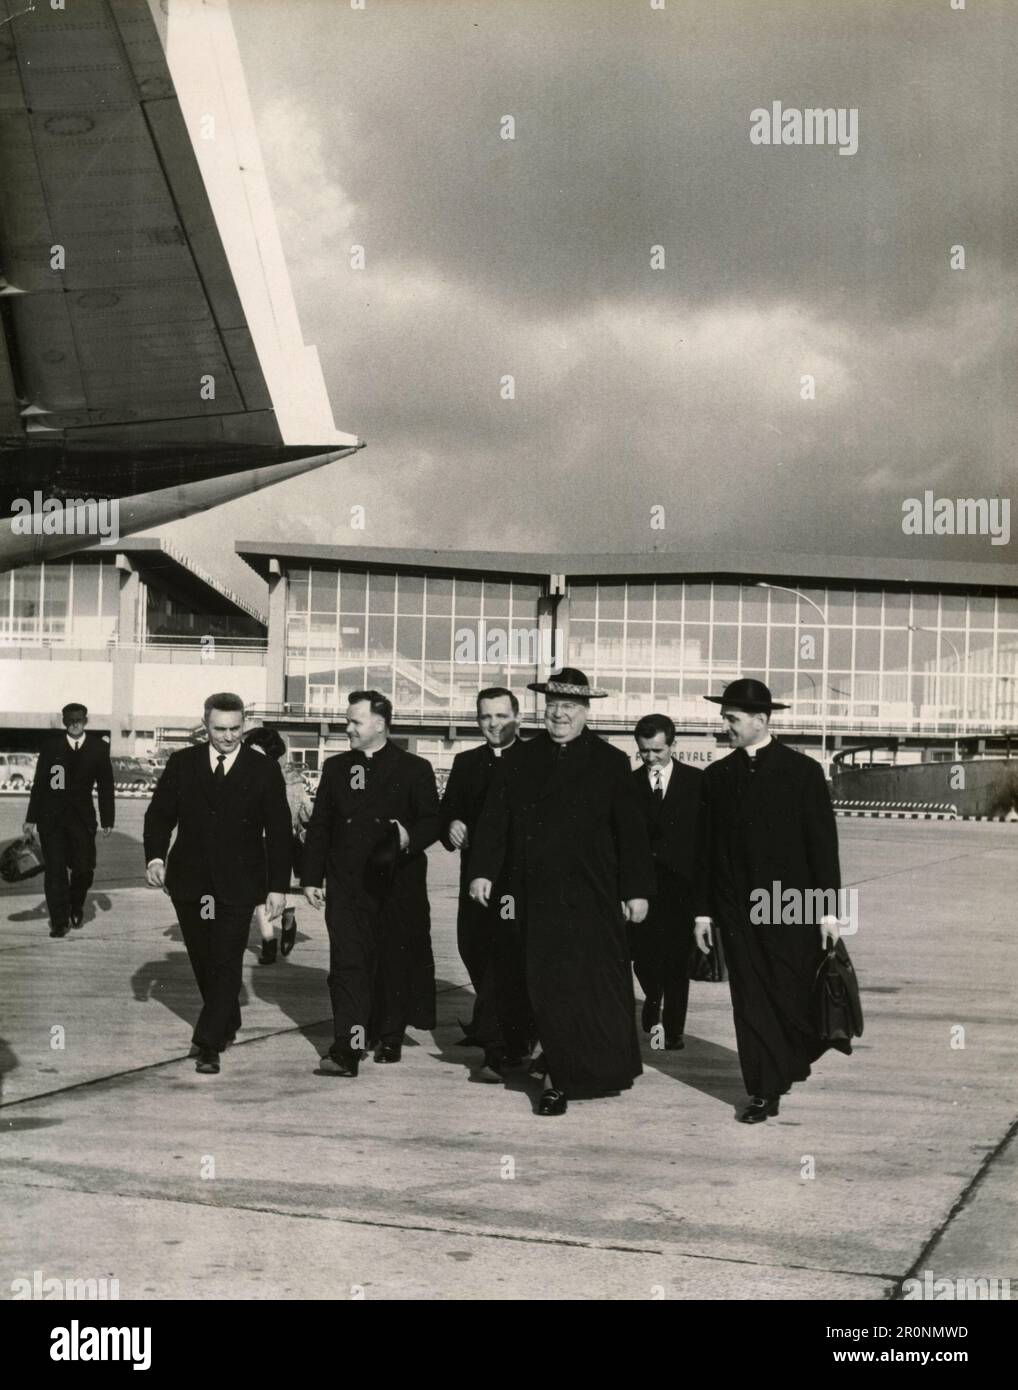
[(563, 831), (771, 840), (376, 813)]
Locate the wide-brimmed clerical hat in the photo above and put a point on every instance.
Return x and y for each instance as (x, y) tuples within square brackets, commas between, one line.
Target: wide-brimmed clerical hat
[(749, 695), (568, 681), (380, 867)]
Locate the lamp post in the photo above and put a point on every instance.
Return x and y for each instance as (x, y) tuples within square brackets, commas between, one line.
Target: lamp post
[(760, 584)]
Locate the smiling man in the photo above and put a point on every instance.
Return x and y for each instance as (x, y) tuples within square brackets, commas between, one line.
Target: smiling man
[(563, 831), (488, 943), (768, 818), (376, 813)]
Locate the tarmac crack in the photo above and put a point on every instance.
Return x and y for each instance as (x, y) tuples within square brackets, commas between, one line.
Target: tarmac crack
[(459, 1231), (964, 1197)]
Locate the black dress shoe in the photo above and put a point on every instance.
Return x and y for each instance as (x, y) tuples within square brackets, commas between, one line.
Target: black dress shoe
[(288, 934), (675, 1044), (334, 1066), (57, 931), (268, 952), (389, 1052), (758, 1109), (77, 918), (208, 1062), (650, 1014), (552, 1102)]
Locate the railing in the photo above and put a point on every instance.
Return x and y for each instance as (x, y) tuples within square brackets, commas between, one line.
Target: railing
[(185, 652), (696, 723)]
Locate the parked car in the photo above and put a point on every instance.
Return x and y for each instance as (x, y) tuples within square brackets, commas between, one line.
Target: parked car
[(17, 770), (133, 771)]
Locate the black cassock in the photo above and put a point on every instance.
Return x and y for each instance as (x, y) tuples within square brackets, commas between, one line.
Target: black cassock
[(381, 969), (489, 944), (766, 824), (563, 822)]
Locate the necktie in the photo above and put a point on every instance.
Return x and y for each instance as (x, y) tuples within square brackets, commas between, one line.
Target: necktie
[(220, 772), (659, 790)]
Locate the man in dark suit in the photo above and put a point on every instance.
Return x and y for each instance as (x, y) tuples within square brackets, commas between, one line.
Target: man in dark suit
[(489, 943), (376, 812), (61, 808), (770, 830), (671, 795), (562, 822), (232, 851)]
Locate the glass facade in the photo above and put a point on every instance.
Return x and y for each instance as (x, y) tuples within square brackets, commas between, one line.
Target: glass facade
[(893, 659), (887, 661), (67, 600), (76, 602), (428, 642)]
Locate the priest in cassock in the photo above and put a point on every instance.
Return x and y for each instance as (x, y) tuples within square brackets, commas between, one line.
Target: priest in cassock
[(563, 823), (769, 821), (375, 815), (488, 942)]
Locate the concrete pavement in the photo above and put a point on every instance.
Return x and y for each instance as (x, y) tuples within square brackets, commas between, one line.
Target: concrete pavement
[(118, 1161)]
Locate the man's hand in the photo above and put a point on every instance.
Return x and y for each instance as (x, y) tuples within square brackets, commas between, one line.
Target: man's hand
[(459, 834), (315, 897), (829, 928), (635, 909), (28, 829), (480, 890), (107, 831), (703, 935), (155, 874), (404, 835), (274, 905)]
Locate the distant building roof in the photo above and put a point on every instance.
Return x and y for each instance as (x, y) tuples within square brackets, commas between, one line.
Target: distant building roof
[(797, 568), (155, 552)]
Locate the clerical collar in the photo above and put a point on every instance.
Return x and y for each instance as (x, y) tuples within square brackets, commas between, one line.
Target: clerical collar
[(758, 747), (497, 752), (375, 753)]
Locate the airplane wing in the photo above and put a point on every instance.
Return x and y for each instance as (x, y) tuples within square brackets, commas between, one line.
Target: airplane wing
[(149, 342)]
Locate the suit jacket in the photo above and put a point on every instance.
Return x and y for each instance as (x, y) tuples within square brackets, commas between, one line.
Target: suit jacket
[(232, 843), (88, 768), (674, 825), (351, 808), (470, 779), (780, 829)]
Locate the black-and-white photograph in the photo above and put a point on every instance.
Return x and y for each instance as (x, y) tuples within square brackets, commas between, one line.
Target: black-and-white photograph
[(509, 663)]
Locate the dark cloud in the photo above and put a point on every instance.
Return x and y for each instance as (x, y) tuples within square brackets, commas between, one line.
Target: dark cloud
[(532, 257)]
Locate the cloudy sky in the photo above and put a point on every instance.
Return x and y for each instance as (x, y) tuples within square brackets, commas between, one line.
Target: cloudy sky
[(638, 387)]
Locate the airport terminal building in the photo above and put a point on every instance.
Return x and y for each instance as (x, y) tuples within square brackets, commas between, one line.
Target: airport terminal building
[(860, 649), (134, 632)]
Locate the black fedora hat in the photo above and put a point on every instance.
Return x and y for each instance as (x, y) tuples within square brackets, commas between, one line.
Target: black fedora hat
[(568, 681), (749, 695), (380, 866)]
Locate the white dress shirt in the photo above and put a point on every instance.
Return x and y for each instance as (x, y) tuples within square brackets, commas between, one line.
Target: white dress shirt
[(76, 743), (665, 774), (214, 757)]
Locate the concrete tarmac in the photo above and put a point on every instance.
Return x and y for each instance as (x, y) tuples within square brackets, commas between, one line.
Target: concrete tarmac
[(117, 1161)]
